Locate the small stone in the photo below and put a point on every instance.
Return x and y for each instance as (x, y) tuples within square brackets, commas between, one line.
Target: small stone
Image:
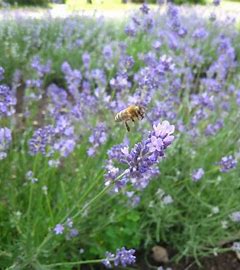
[(160, 254)]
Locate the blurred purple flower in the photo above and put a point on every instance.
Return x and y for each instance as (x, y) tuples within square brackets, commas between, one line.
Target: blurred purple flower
[(7, 101), (216, 2), (1, 73), (165, 64), (212, 129), (73, 233), (58, 229), (97, 138), (227, 163), (86, 58), (41, 140), (40, 68), (29, 176), (197, 174), (144, 8), (73, 78), (235, 216), (5, 140), (200, 33), (131, 30), (64, 146), (107, 52), (120, 82), (156, 44), (109, 258)]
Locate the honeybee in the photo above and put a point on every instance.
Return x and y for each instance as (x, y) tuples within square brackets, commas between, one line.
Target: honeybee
[(133, 112)]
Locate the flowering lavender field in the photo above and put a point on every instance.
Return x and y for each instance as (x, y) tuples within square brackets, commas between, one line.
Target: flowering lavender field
[(76, 187)]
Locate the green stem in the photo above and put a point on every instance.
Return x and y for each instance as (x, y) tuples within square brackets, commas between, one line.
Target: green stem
[(92, 201), (31, 190), (74, 263), (50, 209), (49, 235)]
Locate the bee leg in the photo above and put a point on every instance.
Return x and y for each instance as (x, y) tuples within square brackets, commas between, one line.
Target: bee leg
[(141, 114), (132, 119), (127, 126)]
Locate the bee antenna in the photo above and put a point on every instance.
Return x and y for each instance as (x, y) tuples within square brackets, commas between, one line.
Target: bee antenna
[(148, 119)]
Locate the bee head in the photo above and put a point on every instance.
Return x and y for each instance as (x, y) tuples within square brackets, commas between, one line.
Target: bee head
[(142, 109)]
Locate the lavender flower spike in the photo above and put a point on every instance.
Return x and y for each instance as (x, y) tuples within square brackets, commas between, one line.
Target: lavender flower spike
[(227, 163), (139, 163), (123, 257)]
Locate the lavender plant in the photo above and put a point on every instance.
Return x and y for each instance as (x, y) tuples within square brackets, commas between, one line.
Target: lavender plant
[(74, 184)]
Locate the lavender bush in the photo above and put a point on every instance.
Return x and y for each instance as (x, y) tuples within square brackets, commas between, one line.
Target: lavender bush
[(75, 184)]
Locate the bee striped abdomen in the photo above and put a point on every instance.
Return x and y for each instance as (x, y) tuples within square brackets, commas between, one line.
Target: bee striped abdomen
[(122, 116)]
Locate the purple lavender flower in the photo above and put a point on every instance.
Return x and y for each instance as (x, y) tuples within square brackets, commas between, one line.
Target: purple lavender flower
[(235, 216), (73, 233), (63, 126), (200, 33), (120, 82), (64, 146), (86, 58), (97, 138), (40, 68), (7, 101), (166, 64), (212, 17), (227, 163), (99, 76), (141, 161), (123, 257), (238, 97), (144, 8), (212, 129), (41, 140), (197, 174), (182, 32), (216, 2), (109, 258), (164, 132), (156, 44), (131, 30), (172, 11), (29, 176), (1, 73), (5, 140), (58, 229), (34, 83), (126, 62), (70, 231), (107, 52), (73, 78)]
